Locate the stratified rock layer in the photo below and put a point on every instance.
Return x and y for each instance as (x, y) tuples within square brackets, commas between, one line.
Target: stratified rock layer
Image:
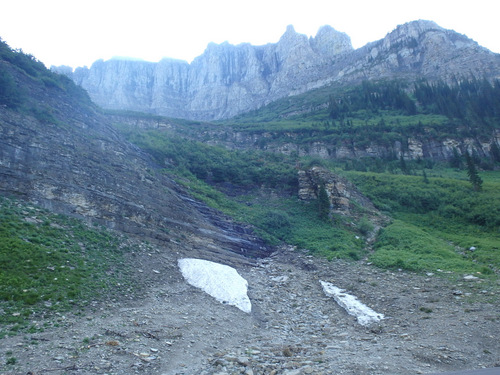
[(73, 162)]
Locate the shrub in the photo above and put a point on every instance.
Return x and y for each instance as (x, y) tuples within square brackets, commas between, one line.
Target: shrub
[(276, 223), (10, 93), (365, 226)]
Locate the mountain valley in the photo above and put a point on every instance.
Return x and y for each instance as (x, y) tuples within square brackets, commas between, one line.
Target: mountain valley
[(375, 169)]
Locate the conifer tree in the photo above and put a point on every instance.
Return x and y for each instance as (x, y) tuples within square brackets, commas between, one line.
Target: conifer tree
[(402, 165), (474, 178), (495, 151), (323, 203)]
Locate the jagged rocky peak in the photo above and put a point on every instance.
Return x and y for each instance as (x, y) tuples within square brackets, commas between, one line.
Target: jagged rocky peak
[(329, 41), (291, 35), (292, 45), (409, 33)]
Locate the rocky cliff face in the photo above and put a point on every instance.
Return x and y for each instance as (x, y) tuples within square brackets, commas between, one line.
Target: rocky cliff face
[(74, 163), (227, 80)]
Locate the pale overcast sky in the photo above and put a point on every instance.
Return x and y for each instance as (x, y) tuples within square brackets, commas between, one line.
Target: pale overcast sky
[(76, 33)]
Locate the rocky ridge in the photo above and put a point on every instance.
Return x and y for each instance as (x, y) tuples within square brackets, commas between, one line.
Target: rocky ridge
[(343, 195), (227, 80)]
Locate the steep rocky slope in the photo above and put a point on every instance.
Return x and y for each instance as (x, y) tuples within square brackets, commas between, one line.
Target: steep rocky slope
[(63, 155), (226, 79)]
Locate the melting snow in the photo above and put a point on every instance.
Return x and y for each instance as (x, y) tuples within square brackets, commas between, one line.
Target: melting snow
[(220, 281), (352, 305)]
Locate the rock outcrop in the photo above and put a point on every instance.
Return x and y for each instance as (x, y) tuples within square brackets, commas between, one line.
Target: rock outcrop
[(345, 200), (227, 80), (343, 195)]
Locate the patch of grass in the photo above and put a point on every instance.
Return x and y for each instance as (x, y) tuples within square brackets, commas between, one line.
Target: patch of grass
[(298, 223), (403, 245), (438, 216), (11, 361), (50, 262)]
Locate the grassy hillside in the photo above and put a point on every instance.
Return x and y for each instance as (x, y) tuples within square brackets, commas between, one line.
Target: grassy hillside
[(437, 214), (25, 81), (50, 263), (436, 222)]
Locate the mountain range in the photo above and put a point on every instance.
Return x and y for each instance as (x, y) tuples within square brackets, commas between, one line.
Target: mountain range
[(227, 80)]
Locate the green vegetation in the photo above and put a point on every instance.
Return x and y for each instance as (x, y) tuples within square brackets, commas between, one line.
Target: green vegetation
[(53, 263), (450, 198), (17, 68), (323, 203), (215, 165), (474, 178), (436, 222)]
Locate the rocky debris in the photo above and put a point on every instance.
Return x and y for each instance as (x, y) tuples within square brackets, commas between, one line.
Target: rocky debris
[(227, 80), (173, 328)]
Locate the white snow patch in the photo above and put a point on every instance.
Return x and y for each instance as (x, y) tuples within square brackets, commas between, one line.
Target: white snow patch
[(351, 304), (220, 281)]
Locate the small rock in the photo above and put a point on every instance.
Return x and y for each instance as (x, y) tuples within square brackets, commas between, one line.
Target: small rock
[(243, 361), (470, 278)]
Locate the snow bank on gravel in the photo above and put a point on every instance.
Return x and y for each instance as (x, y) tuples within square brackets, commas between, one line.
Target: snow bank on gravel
[(220, 281), (363, 313)]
